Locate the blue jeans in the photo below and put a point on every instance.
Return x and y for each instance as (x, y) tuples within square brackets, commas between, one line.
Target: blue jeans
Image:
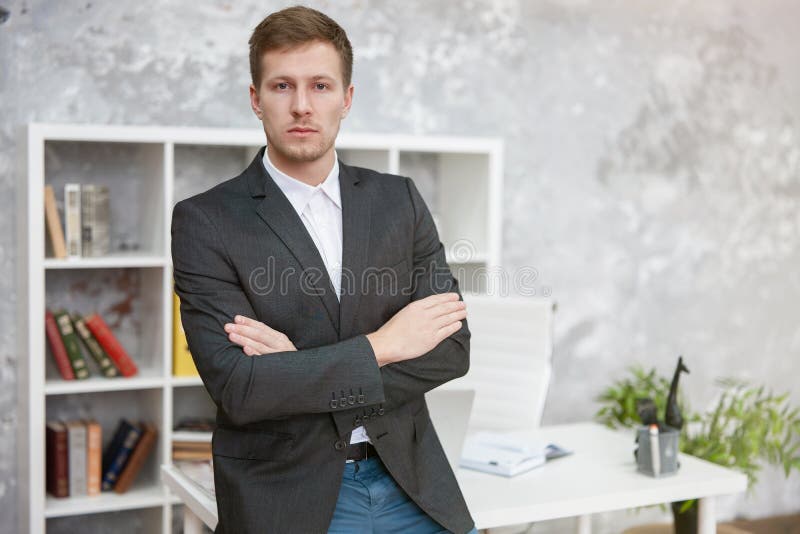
[(371, 502)]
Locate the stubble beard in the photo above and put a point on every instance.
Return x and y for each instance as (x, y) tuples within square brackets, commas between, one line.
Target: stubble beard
[(303, 151)]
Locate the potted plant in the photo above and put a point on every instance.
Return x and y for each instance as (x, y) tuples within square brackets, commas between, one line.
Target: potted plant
[(748, 427)]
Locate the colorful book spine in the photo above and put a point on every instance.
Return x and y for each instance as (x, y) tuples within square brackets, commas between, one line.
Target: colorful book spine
[(94, 348), (182, 363), (72, 219), (94, 452), (57, 459), (76, 437), (54, 228), (57, 348), (71, 343), (118, 458), (137, 458), (111, 345)]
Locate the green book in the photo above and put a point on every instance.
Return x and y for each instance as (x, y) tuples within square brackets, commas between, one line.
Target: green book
[(103, 361), (71, 343)]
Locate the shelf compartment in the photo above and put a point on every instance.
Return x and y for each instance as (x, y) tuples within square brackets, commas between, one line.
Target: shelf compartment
[(455, 187), (130, 301), (201, 167), (134, 174), (377, 160)]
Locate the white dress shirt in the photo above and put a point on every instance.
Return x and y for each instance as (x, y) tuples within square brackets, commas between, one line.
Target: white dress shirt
[(320, 209)]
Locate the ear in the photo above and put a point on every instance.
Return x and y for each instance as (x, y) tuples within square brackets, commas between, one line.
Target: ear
[(348, 100), (255, 101)]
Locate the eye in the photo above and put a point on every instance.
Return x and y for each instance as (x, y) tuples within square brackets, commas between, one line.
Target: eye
[(321, 86), (281, 86)]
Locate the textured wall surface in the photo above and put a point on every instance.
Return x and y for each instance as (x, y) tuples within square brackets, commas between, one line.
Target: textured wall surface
[(652, 162)]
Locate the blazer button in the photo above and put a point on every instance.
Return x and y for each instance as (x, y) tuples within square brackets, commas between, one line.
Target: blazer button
[(339, 445), (334, 404), (381, 411)]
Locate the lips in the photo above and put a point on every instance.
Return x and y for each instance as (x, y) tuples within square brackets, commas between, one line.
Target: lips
[(300, 129)]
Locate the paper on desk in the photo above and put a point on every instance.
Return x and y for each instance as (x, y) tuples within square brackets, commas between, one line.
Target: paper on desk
[(502, 453), (201, 473)]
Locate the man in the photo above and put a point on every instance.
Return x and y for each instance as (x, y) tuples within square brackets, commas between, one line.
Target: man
[(318, 362)]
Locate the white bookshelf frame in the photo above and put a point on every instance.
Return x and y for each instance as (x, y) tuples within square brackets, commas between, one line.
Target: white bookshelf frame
[(35, 389)]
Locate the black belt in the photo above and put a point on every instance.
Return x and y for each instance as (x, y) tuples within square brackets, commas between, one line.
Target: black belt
[(361, 451)]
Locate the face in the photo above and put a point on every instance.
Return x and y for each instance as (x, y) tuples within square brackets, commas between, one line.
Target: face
[(301, 101)]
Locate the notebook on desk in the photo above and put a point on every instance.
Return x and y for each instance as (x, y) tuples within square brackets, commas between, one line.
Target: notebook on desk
[(450, 410)]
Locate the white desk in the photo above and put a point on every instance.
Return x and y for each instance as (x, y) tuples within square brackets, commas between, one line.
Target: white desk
[(600, 476)]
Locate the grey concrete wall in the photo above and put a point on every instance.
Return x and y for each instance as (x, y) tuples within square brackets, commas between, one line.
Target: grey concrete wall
[(652, 161)]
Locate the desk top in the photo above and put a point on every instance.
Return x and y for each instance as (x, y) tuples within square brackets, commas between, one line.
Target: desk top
[(600, 476)]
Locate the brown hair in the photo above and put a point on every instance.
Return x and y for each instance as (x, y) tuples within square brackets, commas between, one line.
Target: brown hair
[(295, 26)]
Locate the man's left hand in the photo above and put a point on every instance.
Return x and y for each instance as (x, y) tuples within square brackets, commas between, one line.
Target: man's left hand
[(257, 338)]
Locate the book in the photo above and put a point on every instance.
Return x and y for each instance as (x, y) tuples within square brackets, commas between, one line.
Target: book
[(56, 459), (54, 228), (94, 451), (137, 458), (57, 348), (102, 333), (117, 453), (191, 450), (76, 444), (182, 363), (100, 357), (71, 344), (191, 455), (94, 220), (72, 219)]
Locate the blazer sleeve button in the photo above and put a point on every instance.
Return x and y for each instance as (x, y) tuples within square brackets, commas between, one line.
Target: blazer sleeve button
[(334, 404)]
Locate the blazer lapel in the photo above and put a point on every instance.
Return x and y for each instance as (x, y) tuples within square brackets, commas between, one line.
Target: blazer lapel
[(355, 240), (276, 210)]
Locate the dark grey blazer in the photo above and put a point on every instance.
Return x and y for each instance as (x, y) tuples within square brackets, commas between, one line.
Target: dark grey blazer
[(284, 419)]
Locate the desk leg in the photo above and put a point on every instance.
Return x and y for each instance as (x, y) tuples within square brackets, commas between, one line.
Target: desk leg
[(706, 516), (584, 525), (191, 523)]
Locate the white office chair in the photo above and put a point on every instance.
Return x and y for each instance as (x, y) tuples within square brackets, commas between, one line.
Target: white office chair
[(510, 361), (511, 353)]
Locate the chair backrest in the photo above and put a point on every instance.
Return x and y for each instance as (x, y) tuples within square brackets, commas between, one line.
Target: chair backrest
[(510, 361)]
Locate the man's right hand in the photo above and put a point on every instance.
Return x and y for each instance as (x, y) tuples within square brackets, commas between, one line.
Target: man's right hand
[(418, 328)]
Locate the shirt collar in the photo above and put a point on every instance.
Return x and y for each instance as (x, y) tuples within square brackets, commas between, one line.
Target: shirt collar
[(299, 193)]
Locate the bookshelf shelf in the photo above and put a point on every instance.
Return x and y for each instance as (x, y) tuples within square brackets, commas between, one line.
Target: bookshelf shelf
[(186, 381), (145, 497), (120, 261), (147, 169), (96, 384), (192, 436)]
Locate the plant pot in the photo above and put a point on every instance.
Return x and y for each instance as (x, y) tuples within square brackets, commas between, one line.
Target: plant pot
[(686, 522)]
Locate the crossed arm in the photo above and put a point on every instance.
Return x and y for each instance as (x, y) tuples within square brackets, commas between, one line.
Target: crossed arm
[(253, 372)]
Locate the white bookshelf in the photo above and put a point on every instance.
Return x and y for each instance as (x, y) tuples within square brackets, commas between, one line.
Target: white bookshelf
[(151, 169)]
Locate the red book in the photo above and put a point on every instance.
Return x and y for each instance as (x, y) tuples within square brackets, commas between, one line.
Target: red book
[(57, 460), (111, 345), (57, 346)]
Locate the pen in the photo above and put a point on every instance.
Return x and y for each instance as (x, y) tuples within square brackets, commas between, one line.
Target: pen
[(655, 452)]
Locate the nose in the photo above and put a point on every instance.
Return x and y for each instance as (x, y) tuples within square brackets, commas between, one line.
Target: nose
[(301, 104)]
